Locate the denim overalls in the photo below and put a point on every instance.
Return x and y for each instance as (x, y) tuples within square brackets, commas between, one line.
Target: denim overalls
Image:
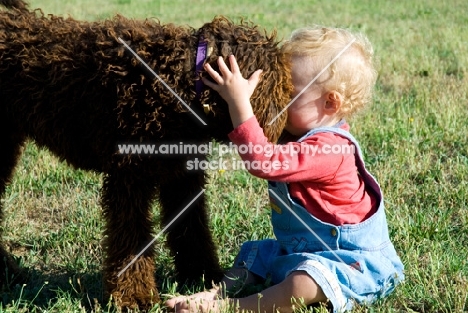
[(351, 263)]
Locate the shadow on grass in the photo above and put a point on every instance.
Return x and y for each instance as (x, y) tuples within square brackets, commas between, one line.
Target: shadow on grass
[(41, 290)]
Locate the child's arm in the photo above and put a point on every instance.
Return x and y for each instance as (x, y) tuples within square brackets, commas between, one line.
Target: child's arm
[(293, 165), (234, 88)]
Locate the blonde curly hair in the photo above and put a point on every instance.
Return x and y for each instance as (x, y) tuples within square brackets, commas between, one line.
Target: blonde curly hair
[(352, 74)]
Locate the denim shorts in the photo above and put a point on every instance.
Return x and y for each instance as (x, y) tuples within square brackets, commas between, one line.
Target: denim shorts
[(345, 276)]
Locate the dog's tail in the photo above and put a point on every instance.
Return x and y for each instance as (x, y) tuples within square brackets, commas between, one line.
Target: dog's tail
[(14, 4)]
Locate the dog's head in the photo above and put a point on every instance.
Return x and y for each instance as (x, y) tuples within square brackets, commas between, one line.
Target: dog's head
[(170, 50), (254, 49)]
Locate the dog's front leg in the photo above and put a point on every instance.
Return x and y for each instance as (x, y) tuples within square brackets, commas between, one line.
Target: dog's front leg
[(126, 201), (189, 236)]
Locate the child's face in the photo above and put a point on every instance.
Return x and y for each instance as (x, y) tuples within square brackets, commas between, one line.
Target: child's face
[(307, 111)]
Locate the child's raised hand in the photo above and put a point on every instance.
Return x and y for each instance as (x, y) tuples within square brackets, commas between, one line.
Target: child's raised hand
[(233, 88), (230, 84)]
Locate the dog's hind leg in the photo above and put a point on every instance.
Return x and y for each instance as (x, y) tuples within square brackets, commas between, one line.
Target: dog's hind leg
[(126, 200), (10, 145), (189, 237)]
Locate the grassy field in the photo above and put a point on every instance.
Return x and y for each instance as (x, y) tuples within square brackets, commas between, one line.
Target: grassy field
[(414, 139)]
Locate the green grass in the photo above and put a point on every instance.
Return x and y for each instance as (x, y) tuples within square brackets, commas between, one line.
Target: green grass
[(414, 140)]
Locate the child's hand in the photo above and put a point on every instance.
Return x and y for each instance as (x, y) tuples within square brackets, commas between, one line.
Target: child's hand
[(233, 88)]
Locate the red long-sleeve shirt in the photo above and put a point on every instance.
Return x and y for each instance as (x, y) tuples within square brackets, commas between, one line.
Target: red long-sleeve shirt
[(326, 182)]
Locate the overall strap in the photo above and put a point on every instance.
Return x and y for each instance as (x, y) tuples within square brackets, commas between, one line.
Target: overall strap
[(342, 133)]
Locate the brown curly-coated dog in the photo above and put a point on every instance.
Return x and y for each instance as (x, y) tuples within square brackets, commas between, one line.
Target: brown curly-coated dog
[(74, 88)]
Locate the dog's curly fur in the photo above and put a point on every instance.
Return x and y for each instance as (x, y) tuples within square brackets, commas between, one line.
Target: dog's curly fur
[(72, 87)]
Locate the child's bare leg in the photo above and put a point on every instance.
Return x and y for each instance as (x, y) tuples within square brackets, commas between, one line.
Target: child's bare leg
[(298, 285)]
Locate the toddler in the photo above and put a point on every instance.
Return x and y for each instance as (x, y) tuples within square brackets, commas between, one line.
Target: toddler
[(331, 241)]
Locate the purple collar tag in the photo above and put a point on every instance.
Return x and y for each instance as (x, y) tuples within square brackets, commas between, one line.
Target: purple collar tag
[(200, 59)]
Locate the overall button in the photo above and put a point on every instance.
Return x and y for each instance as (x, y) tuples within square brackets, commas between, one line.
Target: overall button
[(333, 232), (241, 263)]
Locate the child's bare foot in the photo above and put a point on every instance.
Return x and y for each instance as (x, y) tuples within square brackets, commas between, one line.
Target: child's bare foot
[(206, 295), (205, 301), (200, 305)]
